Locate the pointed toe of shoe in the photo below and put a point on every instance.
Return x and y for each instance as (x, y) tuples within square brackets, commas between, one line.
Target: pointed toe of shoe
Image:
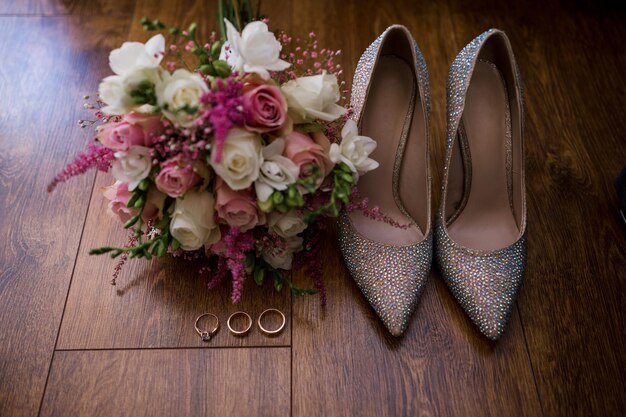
[(484, 283), (391, 278)]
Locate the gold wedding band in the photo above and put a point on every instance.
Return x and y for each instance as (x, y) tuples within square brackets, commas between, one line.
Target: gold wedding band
[(239, 332), (275, 331), (206, 335)]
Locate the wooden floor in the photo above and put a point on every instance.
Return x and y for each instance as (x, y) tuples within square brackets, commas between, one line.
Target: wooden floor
[(71, 344)]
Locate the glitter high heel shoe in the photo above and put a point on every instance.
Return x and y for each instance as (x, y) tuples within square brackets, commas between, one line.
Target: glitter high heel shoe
[(390, 99), (480, 237)]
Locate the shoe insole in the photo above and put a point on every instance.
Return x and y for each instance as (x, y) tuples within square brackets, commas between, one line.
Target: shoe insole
[(487, 221), (387, 106)]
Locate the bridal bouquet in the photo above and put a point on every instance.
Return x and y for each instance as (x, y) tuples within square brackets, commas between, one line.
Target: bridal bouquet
[(233, 159)]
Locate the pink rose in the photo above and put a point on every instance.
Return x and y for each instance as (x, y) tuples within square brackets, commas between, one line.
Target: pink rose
[(176, 177), (266, 108), (152, 126), (306, 152), (133, 129), (237, 208), (119, 195)]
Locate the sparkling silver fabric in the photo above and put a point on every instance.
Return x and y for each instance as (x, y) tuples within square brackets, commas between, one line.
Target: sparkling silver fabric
[(365, 66), (392, 278), (485, 283)]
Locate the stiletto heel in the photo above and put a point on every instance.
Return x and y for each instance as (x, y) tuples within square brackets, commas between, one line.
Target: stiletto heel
[(390, 99), (480, 237)]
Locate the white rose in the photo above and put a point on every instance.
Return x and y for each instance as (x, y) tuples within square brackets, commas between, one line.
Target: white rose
[(254, 50), (193, 224), (277, 172), (132, 166), (313, 97), (181, 93), (283, 258), (286, 224), (241, 159), (354, 150), (134, 55)]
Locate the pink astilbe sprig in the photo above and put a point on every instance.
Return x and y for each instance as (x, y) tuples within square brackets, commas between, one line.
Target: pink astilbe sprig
[(222, 109), (358, 203), (132, 241), (96, 156), (309, 257), (237, 244), (220, 273)]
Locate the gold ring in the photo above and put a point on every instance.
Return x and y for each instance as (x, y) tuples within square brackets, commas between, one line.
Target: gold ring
[(204, 334), (239, 332), (275, 331)]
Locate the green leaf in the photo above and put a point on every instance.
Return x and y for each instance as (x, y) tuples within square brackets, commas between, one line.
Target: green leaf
[(192, 30), (216, 49), (132, 221), (100, 251), (266, 206), (133, 198), (222, 68), (347, 178), (277, 198), (139, 202), (299, 292), (278, 281), (208, 69), (161, 248), (259, 276), (175, 244), (250, 261), (345, 168)]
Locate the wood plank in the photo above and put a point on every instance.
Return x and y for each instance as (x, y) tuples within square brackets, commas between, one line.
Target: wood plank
[(65, 7), (48, 64), (188, 382), (442, 366), (155, 303)]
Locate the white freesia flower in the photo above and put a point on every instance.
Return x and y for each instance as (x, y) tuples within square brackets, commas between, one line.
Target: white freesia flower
[(354, 150), (313, 97), (133, 55), (181, 93), (277, 172), (113, 92), (283, 258), (254, 50), (286, 224), (133, 64), (132, 166), (227, 54), (241, 159), (193, 224)]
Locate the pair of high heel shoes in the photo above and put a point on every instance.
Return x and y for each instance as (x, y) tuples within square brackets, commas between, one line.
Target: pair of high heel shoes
[(480, 232)]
